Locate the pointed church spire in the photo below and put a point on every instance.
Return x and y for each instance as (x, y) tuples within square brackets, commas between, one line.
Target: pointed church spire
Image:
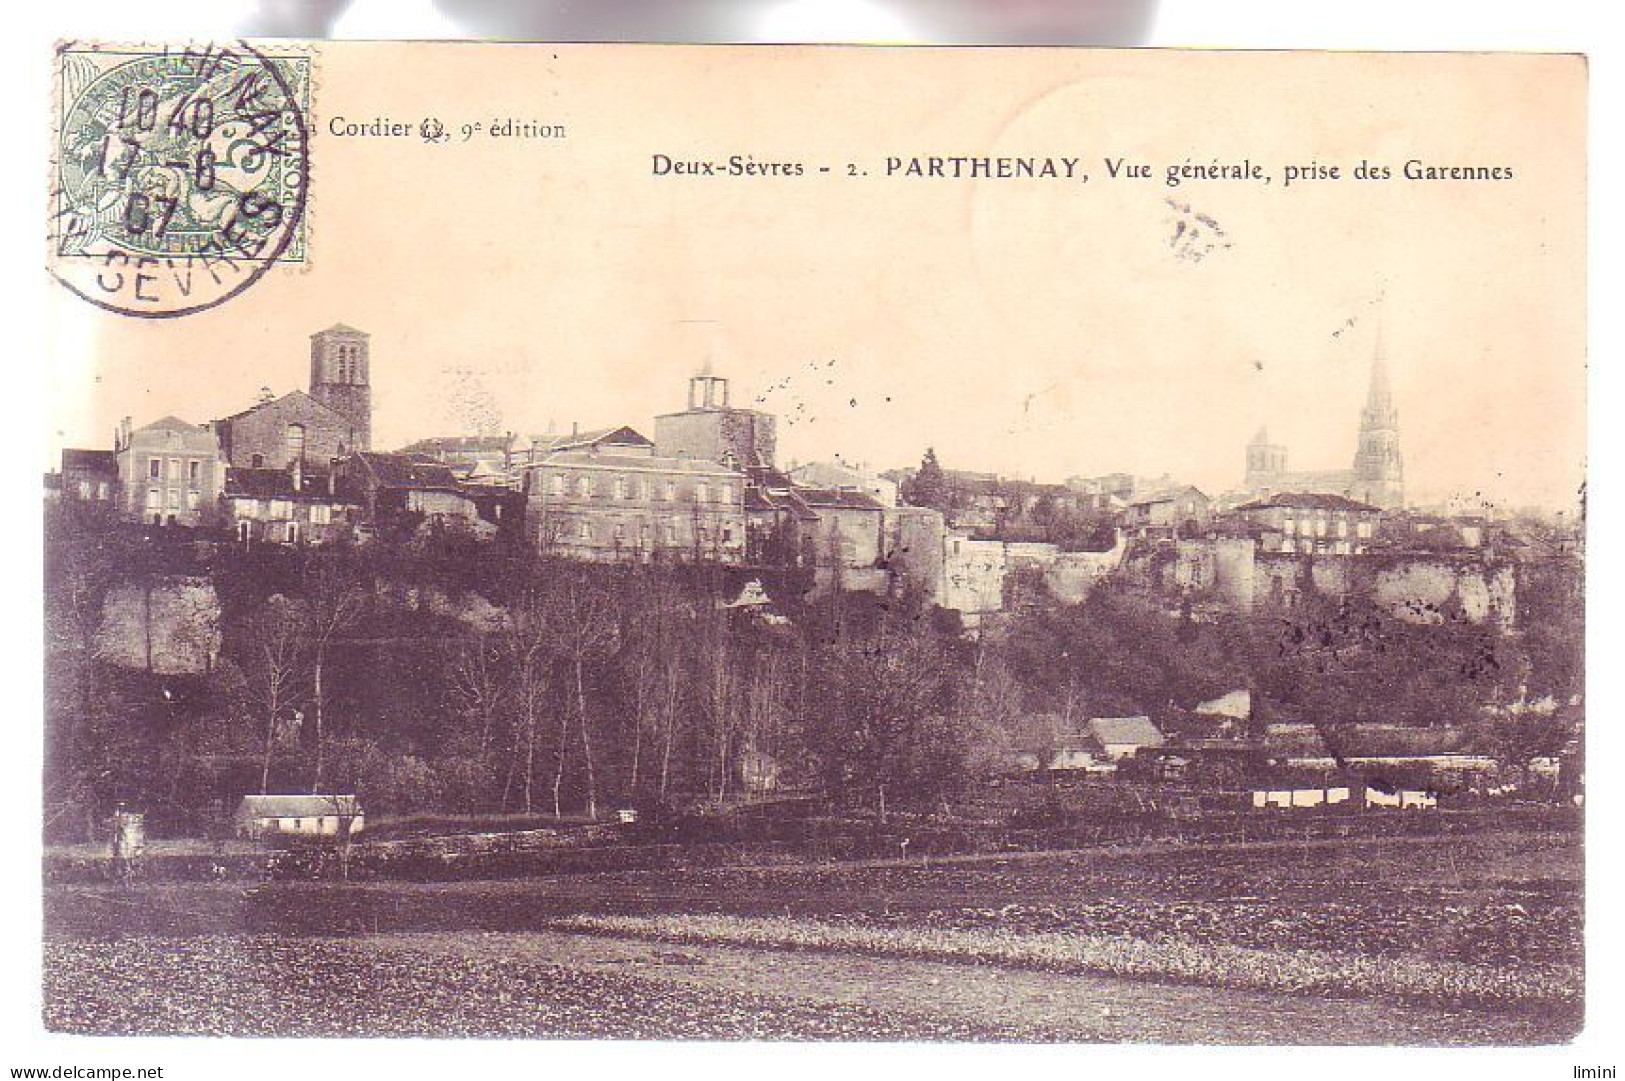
[(1379, 467), (1379, 398)]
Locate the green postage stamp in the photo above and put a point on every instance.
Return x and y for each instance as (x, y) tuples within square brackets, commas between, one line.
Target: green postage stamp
[(181, 175)]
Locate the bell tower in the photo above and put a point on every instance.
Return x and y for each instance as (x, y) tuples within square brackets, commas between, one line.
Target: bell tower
[(707, 390), (340, 378), (1379, 467), (1266, 461)]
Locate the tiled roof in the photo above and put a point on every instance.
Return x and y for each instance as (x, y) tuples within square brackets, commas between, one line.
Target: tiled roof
[(634, 462), (280, 806), (251, 483), (836, 499), (1399, 741), (1308, 501), (623, 436), (404, 471), (766, 499), (255, 408), (94, 461), (1136, 730)]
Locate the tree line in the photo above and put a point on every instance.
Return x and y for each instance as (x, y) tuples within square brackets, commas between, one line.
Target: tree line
[(454, 676)]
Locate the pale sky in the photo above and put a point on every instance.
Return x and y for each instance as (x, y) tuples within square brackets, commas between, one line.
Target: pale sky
[(1038, 328)]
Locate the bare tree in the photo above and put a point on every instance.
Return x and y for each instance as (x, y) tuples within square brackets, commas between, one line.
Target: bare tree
[(583, 631), (477, 685), (528, 636), (335, 609), (273, 652), (347, 809)]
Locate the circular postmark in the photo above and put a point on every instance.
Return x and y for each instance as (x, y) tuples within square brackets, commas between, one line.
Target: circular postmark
[(181, 176)]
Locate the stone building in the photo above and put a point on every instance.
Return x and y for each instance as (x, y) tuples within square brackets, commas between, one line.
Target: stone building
[(1179, 509), (331, 421), (89, 476), (624, 502), (290, 506), (341, 378), (1377, 476), (841, 476), (713, 430), (845, 541), (398, 489), (169, 472), (1311, 523), (281, 431)]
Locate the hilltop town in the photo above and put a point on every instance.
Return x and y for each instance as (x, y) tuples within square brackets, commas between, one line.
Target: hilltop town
[(639, 615)]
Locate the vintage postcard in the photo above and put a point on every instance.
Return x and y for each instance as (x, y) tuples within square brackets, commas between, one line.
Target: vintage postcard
[(815, 543)]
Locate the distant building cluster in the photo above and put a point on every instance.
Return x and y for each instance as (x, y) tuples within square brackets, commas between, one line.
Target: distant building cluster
[(1377, 476), (300, 469)]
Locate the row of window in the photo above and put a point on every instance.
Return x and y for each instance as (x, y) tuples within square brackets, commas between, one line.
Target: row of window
[(275, 510), (644, 489), (170, 499), (1306, 545), (193, 470), (618, 533), (1319, 527)]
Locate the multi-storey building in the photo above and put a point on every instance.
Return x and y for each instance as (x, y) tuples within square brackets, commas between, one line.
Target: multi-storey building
[(713, 430), (1310, 522), (1182, 509), (169, 472), (623, 502), (289, 506), (399, 489), (89, 476), (333, 420)]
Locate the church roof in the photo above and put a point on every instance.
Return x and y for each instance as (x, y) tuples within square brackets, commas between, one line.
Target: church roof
[(292, 394), (341, 328)]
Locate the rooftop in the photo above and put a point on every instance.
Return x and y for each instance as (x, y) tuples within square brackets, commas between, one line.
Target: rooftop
[(635, 462), (96, 461), (408, 471), (296, 806), (1309, 501), (278, 484), (1136, 730), (836, 499)]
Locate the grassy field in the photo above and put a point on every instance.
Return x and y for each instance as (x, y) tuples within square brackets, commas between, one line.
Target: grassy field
[(1486, 930)]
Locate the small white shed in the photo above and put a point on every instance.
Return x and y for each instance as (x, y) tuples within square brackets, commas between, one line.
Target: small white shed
[(311, 815)]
